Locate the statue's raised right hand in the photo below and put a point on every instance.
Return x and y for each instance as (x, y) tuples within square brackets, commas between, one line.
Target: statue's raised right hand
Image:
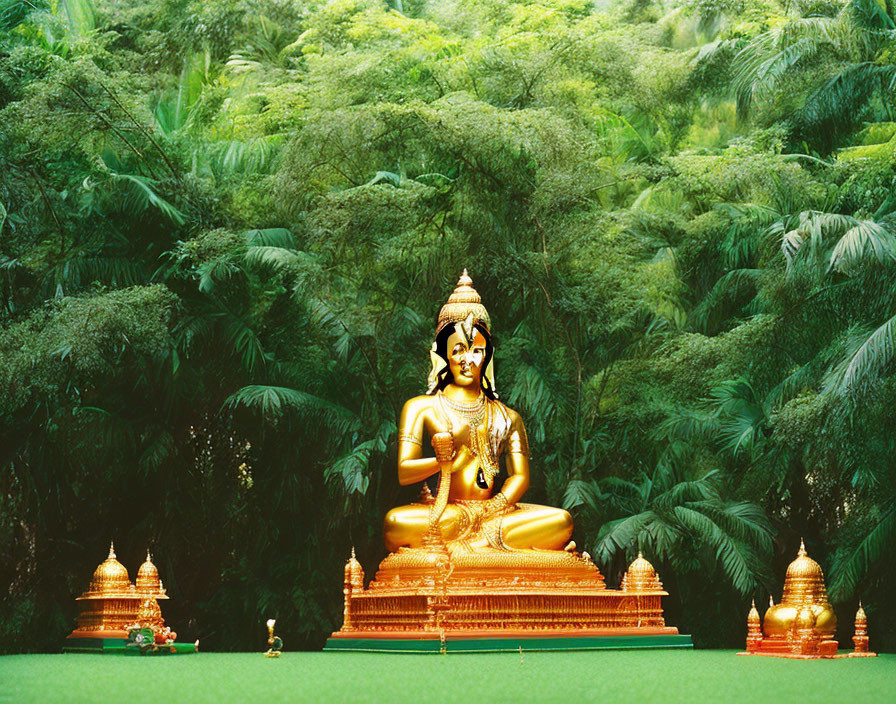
[(443, 444)]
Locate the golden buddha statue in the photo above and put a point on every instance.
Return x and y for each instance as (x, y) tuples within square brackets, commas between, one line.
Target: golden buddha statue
[(470, 429), (475, 561)]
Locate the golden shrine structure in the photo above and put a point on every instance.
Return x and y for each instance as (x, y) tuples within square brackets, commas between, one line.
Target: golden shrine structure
[(473, 568), (113, 606), (803, 625)]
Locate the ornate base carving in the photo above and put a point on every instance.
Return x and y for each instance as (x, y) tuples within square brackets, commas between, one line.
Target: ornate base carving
[(421, 593), (806, 649)]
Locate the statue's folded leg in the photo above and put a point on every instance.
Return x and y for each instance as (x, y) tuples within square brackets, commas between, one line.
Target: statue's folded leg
[(533, 526), (405, 526)]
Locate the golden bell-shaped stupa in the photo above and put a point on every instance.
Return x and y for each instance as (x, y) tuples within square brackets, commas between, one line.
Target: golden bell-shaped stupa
[(754, 628), (803, 624), (148, 582), (642, 577), (860, 639), (354, 574), (804, 582), (803, 586), (148, 575), (110, 576)]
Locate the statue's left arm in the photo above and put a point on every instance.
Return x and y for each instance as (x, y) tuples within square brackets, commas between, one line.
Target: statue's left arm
[(517, 461)]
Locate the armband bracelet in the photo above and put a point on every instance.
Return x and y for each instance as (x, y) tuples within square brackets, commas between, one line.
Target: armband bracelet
[(410, 439)]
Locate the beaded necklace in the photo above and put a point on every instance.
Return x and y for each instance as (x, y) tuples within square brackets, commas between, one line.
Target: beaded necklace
[(476, 414)]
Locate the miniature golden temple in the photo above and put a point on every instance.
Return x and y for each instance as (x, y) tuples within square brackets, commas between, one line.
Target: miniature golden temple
[(803, 625), (113, 603), (473, 567)]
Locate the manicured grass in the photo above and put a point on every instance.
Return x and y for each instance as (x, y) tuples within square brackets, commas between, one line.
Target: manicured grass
[(608, 677)]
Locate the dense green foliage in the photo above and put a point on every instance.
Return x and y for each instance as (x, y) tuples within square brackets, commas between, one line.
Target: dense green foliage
[(226, 229)]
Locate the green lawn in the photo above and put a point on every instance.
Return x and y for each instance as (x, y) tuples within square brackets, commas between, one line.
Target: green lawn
[(608, 677)]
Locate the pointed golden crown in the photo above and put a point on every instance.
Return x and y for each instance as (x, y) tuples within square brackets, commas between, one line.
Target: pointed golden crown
[(463, 302)]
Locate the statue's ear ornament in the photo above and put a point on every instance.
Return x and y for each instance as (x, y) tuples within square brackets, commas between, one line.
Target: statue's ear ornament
[(439, 365)]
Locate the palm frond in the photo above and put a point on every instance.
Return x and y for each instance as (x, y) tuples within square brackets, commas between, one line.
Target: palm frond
[(270, 237), (838, 105), (618, 536), (682, 492), (730, 286), (734, 557), (175, 112), (80, 16), (579, 492), (273, 401), (212, 272), (852, 564), (144, 186), (867, 362), (14, 12), (870, 14), (275, 258), (759, 67), (245, 342), (865, 238), (255, 155), (744, 521)]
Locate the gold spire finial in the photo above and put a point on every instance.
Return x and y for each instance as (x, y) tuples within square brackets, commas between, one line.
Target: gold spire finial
[(771, 601), (640, 556), (353, 552), (802, 551), (148, 556), (111, 550), (753, 615)]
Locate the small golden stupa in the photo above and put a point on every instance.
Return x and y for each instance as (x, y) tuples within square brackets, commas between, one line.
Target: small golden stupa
[(803, 625), (860, 639), (112, 602), (474, 567)]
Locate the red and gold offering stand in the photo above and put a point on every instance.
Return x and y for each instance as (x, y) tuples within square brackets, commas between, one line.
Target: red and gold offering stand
[(113, 608), (803, 625), (474, 568)]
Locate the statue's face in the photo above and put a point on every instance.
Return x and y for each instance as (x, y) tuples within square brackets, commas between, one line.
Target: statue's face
[(466, 357)]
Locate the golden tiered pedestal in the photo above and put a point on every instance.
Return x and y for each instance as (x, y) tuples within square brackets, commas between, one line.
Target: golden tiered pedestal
[(113, 605), (422, 600)]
